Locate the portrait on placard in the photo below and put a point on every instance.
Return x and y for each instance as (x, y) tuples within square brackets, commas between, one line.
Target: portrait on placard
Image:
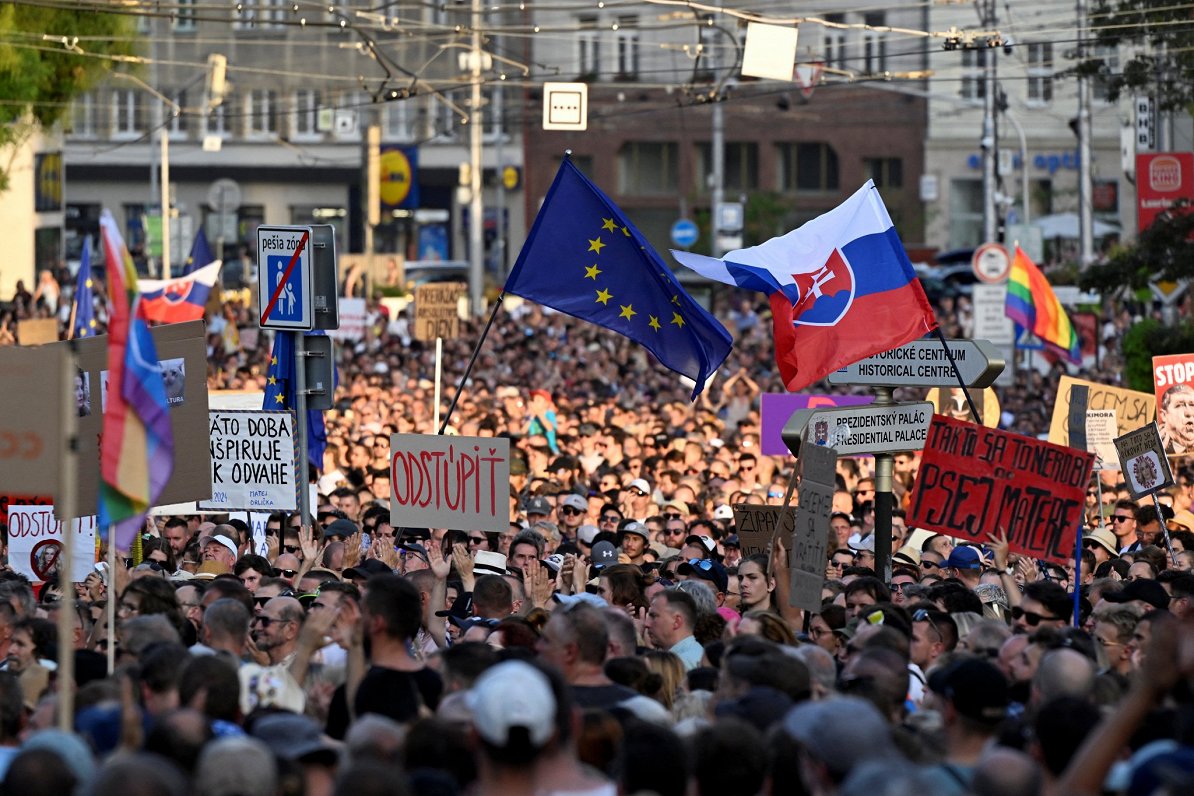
[(1173, 381), (82, 392)]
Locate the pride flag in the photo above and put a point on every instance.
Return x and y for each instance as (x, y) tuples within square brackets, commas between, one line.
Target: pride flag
[(137, 449), (1032, 303)]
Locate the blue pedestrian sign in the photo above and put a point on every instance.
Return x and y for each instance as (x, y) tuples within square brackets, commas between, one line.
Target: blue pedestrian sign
[(685, 233), (285, 278)]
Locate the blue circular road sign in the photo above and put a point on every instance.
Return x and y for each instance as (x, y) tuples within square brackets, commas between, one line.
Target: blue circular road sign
[(685, 233)]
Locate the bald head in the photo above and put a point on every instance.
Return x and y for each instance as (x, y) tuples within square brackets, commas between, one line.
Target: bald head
[(1006, 772), (1063, 672)]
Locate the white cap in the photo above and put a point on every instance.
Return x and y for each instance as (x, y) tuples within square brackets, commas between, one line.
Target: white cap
[(509, 695), (489, 562), (858, 543)]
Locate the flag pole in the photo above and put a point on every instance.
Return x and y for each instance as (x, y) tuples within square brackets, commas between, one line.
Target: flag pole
[(112, 598), (497, 305), (439, 377), (950, 356)]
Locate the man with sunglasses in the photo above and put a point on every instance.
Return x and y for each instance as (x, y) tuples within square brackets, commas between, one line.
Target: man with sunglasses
[(573, 511), (1044, 604), (1123, 523), (934, 633), (276, 629)]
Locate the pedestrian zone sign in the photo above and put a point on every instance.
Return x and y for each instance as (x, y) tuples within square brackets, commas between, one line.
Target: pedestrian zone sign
[(285, 274)]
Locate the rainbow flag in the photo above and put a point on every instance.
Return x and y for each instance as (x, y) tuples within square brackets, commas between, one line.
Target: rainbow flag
[(137, 449), (1032, 303)]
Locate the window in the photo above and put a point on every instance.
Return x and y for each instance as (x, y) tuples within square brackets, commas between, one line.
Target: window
[(648, 168), (259, 15), (874, 44), (1099, 86), (627, 44), (809, 168), (741, 166), (184, 21), (886, 172), (261, 114), (217, 119), (834, 43), (303, 114), (588, 47), (128, 114), (974, 86), (1040, 73), (83, 123)]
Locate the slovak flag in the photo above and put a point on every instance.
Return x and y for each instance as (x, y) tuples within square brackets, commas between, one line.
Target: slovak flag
[(841, 288), (179, 299)]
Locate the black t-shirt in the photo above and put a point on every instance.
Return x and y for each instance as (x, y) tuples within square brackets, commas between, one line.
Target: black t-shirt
[(602, 697), (397, 694)]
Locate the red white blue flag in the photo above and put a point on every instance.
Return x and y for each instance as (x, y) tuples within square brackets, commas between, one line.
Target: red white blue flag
[(841, 288), (179, 299)]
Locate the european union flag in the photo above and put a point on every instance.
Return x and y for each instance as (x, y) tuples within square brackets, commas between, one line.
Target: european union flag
[(584, 257), (84, 314), (280, 394), (200, 254)]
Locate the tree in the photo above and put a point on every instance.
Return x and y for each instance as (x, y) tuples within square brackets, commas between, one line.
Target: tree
[(48, 56), (1165, 250), (1165, 69)]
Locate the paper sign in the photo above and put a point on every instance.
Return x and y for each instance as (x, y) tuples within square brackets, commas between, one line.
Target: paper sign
[(353, 314), (436, 310), (1132, 409), (1142, 458), (35, 543), (810, 538), (974, 481), (758, 525), (37, 331), (1100, 438), (253, 461), (777, 408), (1173, 381), (459, 483), (31, 433)]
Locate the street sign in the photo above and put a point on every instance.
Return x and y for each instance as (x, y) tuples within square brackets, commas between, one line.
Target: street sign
[(224, 195), (685, 233), (991, 263), (861, 429), (923, 363), (1142, 459), (990, 320), (284, 266)]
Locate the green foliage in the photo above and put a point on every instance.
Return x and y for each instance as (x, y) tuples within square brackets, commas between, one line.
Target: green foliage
[(767, 215), (1163, 251), (1148, 339), (1165, 69)]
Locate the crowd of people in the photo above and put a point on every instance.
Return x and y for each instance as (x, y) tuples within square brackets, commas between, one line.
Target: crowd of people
[(613, 638)]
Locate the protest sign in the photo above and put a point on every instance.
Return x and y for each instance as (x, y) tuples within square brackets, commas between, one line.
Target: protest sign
[(37, 331), (1142, 458), (975, 481), (31, 418), (35, 543), (460, 483), (1173, 383), (184, 345), (951, 402), (436, 310), (810, 538), (352, 320), (253, 461), (1132, 409), (1100, 438), (777, 408), (757, 525)]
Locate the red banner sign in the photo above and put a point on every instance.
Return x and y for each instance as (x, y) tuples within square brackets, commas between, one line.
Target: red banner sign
[(1162, 178), (975, 481)]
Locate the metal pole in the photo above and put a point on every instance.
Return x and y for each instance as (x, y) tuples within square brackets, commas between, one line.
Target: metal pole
[(884, 499), (719, 171), (476, 228), (1085, 184), (1164, 530), (300, 406), (439, 375), (67, 498), (164, 132), (990, 141), (1026, 212), (112, 598)]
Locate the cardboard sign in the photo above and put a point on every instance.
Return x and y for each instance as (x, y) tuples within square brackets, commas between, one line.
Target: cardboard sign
[(253, 461), (974, 481), (758, 525), (810, 538), (1173, 382), (32, 438), (951, 402), (1142, 458), (436, 312), (459, 483), (1100, 438), (1132, 409), (35, 543), (37, 331), (778, 408), (185, 345), (353, 315)]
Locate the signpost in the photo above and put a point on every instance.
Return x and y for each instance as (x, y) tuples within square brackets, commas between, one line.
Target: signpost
[(876, 428), (923, 363), (684, 233), (991, 263), (285, 295)]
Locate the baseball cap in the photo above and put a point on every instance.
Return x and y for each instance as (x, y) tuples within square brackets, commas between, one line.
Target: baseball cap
[(676, 505), (1142, 589), (554, 562), (586, 533), (841, 732), (1104, 538), (963, 557), (367, 569), (636, 527), (569, 600), (731, 541), (859, 543), (513, 695), (294, 737), (538, 505), (467, 623), (723, 512), (977, 689), (641, 485), (417, 549), (706, 569), (604, 554), (340, 527), (221, 539), (705, 542), (574, 501), (489, 563)]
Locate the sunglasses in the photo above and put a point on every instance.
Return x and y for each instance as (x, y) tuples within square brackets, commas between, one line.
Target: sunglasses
[(289, 548), (611, 518), (672, 516), (1030, 618), (929, 564), (634, 490), (288, 573), (1120, 518), (569, 511), (269, 620), (898, 588), (477, 540), (923, 615), (702, 564)]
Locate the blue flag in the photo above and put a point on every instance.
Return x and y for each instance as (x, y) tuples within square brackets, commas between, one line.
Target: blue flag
[(584, 257), (280, 394), (84, 325), (200, 254)]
